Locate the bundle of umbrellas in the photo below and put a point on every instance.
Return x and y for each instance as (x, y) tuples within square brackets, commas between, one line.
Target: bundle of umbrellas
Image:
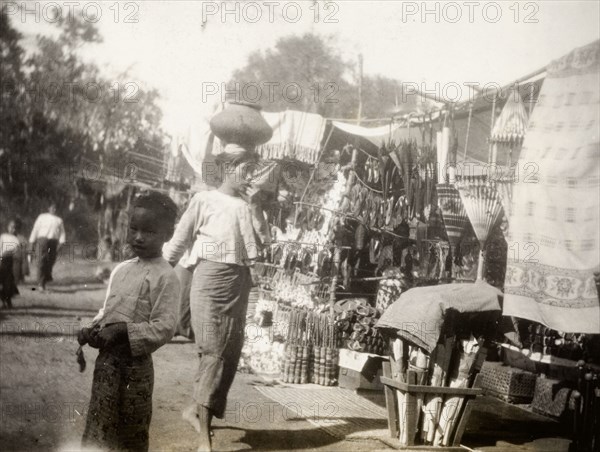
[(434, 417), (311, 352)]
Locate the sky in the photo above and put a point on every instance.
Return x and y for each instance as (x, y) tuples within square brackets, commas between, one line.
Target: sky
[(187, 49)]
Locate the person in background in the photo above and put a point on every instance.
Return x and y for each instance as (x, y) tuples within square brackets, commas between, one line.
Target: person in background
[(139, 316), (20, 262), (221, 231), (48, 235), (10, 248)]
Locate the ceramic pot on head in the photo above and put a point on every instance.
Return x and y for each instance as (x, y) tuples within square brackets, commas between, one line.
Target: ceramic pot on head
[(241, 123)]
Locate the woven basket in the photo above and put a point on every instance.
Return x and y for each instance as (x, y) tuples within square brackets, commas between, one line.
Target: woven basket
[(507, 383), (551, 397)]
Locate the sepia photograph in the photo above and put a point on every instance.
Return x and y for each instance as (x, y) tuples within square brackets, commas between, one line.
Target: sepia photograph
[(300, 225)]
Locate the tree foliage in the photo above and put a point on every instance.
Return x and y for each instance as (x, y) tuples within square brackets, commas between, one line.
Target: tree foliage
[(318, 80), (59, 113)]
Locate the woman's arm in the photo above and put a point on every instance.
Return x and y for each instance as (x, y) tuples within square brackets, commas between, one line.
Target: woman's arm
[(184, 233)]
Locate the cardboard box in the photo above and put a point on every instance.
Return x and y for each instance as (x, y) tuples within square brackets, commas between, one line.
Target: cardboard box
[(360, 370)]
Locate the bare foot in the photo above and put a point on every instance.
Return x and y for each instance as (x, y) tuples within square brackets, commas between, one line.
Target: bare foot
[(190, 415), (204, 444)]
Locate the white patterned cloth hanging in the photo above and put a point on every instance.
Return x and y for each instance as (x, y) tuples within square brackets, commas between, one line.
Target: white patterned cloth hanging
[(553, 236)]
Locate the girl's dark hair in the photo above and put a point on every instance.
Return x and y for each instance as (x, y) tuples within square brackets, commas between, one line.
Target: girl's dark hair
[(18, 224), (160, 203)]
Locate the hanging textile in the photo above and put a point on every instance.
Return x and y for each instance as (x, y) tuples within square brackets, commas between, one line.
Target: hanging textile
[(453, 213), (553, 246)]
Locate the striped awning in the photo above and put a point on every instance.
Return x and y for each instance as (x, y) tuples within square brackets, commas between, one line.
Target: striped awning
[(512, 122)]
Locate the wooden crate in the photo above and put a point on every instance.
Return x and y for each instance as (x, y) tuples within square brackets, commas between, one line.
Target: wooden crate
[(507, 383), (411, 394)]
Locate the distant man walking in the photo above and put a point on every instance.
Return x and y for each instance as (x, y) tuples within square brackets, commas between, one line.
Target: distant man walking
[(48, 234)]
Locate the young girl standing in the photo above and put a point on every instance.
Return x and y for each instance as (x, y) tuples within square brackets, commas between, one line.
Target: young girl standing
[(139, 315)]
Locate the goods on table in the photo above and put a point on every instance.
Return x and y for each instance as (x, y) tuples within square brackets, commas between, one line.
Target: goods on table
[(311, 352), (551, 397), (586, 422), (358, 332), (507, 383)]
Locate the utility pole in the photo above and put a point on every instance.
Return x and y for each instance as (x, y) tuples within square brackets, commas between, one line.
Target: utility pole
[(360, 83)]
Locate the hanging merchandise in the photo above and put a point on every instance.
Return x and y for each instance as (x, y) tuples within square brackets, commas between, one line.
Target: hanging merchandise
[(509, 129), (390, 288), (442, 155), (407, 156), (504, 188), (456, 221), (483, 208)]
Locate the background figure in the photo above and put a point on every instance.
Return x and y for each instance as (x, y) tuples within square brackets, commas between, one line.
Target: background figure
[(9, 248), (20, 261), (47, 235)]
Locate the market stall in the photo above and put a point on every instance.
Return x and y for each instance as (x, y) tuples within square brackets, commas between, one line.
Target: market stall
[(375, 228)]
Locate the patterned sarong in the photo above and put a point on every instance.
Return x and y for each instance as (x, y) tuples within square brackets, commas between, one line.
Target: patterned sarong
[(219, 301), (120, 408), (553, 243)]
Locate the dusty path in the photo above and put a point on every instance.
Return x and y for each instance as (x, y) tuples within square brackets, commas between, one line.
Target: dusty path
[(44, 397)]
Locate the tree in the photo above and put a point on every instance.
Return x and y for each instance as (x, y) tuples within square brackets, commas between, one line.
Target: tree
[(310, 73), (59, 112), (312, 70), (12, 91)]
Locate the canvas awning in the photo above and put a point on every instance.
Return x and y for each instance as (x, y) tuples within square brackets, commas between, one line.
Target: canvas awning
[(381, 134)]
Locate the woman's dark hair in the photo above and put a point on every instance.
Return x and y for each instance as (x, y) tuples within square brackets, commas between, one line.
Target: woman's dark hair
[(234, 159), (160, 203), (227, 161)]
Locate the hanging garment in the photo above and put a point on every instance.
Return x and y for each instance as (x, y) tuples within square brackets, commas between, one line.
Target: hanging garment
[(554, 221)]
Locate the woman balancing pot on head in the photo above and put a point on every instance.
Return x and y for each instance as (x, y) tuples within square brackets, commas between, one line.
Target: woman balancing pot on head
[(224, 233)]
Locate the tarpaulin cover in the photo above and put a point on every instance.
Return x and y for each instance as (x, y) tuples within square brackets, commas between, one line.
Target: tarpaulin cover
[(419, 313)]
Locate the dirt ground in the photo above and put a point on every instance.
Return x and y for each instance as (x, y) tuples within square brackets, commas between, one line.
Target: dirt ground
[(44, 397)]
